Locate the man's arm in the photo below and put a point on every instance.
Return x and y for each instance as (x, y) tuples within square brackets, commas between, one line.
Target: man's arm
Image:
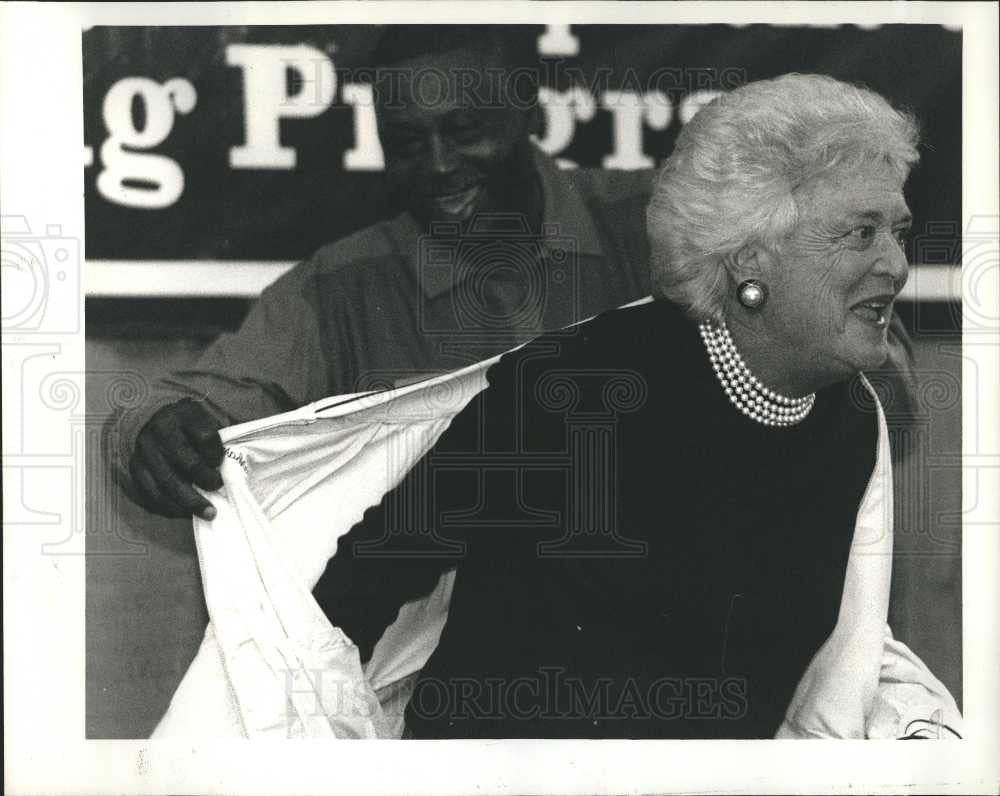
[(274, 363)]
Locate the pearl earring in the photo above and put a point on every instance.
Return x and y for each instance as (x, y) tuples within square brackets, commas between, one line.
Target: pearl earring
[(752, 294)]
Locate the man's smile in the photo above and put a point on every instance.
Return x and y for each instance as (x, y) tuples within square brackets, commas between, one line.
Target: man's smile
[(459, 203)]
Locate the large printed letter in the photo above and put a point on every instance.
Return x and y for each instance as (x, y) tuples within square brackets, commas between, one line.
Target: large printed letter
[(631, 111), (142, 179), (563, 109), (366, 155), (267, 101)]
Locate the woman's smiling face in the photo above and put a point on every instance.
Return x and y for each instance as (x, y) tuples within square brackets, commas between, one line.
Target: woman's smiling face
[(833, 279)]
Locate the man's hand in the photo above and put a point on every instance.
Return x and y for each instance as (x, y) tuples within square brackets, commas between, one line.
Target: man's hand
[(178, 447)]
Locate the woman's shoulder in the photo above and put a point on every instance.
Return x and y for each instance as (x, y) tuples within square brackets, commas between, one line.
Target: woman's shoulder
[(643, 339), (636, 333)]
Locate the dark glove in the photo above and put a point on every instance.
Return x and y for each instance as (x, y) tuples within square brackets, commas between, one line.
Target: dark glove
[(178, 447)]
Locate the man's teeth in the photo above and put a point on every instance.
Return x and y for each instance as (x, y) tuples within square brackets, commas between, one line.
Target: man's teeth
[(457, 203)]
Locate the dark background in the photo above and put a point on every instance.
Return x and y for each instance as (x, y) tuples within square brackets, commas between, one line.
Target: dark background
[(145, 612), (285, 215)]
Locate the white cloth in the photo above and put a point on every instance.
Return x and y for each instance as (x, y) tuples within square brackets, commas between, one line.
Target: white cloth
[(271, 664), (862, 683)]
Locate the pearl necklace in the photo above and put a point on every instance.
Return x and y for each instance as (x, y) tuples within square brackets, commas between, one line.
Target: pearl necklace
[(744, 390)]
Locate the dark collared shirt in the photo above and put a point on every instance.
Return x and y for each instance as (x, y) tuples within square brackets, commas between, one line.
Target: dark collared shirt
[(388, 304)]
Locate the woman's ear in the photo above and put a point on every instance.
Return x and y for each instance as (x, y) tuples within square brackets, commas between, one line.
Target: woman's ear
[(751, 262), (742, 265)]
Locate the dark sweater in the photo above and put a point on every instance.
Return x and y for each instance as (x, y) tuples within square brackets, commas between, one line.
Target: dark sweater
[(635, 557)]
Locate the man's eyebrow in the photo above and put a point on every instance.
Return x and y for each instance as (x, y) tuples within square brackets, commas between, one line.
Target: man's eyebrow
[(400, 121)]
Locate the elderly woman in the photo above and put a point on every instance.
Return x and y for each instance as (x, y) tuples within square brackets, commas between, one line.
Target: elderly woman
[(687, 578), (674, 520), (652, 518)]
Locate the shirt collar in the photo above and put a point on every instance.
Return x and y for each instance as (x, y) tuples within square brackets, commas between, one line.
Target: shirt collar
[(565, 218)]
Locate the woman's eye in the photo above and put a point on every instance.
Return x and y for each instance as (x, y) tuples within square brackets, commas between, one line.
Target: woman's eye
[(862, 236)]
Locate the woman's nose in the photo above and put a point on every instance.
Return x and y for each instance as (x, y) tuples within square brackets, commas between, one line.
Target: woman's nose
[(892, 261)]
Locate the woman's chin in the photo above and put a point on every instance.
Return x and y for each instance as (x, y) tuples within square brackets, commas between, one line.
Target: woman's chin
[(869, 355), (868, 344)]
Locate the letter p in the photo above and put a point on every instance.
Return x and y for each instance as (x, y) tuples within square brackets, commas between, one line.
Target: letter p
[(267, 99)]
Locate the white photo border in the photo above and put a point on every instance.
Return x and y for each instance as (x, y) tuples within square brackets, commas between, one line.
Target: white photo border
[(41, 112)]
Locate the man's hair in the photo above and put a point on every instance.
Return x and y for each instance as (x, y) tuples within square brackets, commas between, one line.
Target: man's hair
[(514, 47), (733, 174), (403, 42)]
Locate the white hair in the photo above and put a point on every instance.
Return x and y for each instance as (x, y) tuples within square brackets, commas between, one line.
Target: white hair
[(731, 179)]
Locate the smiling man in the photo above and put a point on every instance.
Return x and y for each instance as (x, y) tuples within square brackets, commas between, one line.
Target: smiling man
[(495, 245), (454, 127)]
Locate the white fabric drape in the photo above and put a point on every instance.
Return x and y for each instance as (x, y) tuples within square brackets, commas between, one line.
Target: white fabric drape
[(862, 683), (271, 664)]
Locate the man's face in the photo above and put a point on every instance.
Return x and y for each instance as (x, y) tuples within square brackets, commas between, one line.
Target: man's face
[(840, 269), (454, 144)]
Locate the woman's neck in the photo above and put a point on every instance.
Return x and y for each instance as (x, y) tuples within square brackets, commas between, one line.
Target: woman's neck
[(785, 371)]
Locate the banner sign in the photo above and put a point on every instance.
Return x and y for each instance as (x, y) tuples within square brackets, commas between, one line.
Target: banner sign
[(259, 143)]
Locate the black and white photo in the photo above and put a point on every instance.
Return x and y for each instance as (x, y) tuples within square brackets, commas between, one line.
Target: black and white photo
[(514, 381)]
